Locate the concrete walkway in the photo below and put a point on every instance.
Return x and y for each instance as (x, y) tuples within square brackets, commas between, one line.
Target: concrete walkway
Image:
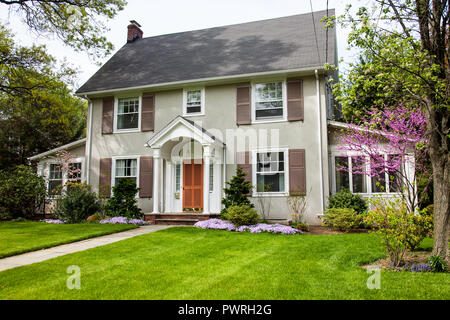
[(50, 253)]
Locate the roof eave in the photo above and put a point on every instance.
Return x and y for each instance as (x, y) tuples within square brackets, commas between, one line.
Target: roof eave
[(174, 84), (53, 151)]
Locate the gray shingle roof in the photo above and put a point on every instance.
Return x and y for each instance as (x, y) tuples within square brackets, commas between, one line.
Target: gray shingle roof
[(268, 45)]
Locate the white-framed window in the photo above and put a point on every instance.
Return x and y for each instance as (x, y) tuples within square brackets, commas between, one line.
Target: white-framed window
[(344, 168), (125, 168), (55, 179), (194, 102), (269, 101), (270, 172), (127, 114)]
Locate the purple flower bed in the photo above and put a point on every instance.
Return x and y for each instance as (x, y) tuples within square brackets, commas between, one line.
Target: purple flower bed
[(53, 221), (416, 267), (219, 224), (123, 220)]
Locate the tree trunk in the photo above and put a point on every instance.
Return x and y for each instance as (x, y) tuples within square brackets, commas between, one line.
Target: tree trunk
[(440, 161)]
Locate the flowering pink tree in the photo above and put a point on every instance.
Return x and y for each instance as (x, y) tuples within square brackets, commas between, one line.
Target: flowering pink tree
[(65, 160), (384, 144)]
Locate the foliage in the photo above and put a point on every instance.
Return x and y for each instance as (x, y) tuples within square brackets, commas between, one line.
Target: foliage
[(421, 227), (396, 226), (297, 204), (38, 110), (241, 215), (77, 203), (123, 203), (397, 132), (77, 23), (22, 192), (342, 219), (237, 192), (437, 264), (346, 199), (406, 48)]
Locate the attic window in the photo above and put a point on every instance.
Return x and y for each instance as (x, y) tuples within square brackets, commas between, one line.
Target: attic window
[(194, 102)]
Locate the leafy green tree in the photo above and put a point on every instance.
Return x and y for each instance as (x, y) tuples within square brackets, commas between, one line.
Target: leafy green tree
[(38, 111), (78, 23), (408, 49), (237, 192)]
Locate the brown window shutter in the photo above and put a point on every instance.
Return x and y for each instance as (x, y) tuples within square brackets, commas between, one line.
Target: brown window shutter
[(297, 172), (243, 107), (295, 100), (108, 115), (146, 177), (148, 112), (104, 186), (243, 160)]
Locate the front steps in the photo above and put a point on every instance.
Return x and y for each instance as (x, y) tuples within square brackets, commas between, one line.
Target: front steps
[(181, 219)]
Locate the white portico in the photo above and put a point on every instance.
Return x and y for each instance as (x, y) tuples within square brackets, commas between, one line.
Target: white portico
[(188, 169)]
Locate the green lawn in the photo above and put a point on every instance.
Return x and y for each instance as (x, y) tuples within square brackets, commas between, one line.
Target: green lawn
[(20, 237), (190, 263)]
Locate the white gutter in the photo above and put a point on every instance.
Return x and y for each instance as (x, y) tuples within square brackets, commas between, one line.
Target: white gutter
[(202, 80), (89, 142), (319, 104)]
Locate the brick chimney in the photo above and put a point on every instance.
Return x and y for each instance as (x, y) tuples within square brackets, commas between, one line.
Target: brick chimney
[(134, 31)]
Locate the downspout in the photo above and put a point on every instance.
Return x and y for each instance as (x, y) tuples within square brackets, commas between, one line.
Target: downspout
[(89, 142), (319, 104)]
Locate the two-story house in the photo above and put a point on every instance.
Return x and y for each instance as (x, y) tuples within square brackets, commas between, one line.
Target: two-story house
[(178, 113)]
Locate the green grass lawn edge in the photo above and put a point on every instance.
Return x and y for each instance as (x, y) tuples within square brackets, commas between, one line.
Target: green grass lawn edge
[(123, 227)]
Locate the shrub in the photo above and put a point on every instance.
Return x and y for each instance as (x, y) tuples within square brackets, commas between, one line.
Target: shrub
[(346, 199), (77, 203), (237, 192), (123, 203), (297, 204), (421, 227), (342, 219), (22, 192), (437, 264), (242, 215), (396, 227)]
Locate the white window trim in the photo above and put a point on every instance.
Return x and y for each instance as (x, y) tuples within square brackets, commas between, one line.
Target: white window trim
[(116, 109), (65, 177), (285, 193), (366, 177), (113, 170), (202, 106), (253, 101)]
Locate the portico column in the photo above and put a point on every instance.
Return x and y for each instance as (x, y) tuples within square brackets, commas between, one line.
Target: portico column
[(206, 163), (156, 179)]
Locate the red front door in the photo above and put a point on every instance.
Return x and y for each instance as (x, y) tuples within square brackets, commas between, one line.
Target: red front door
[(192, 184)]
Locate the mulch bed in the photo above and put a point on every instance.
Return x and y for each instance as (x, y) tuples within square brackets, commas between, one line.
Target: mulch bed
[(319, 230), (410, 257)]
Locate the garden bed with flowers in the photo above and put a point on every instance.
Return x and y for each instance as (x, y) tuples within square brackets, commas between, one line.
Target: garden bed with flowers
[(219, 224)]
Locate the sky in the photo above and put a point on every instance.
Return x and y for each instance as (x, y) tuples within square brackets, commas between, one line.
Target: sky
[(171, 16)]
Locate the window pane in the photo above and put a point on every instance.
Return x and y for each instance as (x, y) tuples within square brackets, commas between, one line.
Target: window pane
[(194, 97), (342, 175), (74, 173), (269, 113), (190, 109), (358, 179), (379, 183), (55, 171), (126, 168), (269, 91), (128, 121), (54, 187), (270, 182), (128, 105)]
